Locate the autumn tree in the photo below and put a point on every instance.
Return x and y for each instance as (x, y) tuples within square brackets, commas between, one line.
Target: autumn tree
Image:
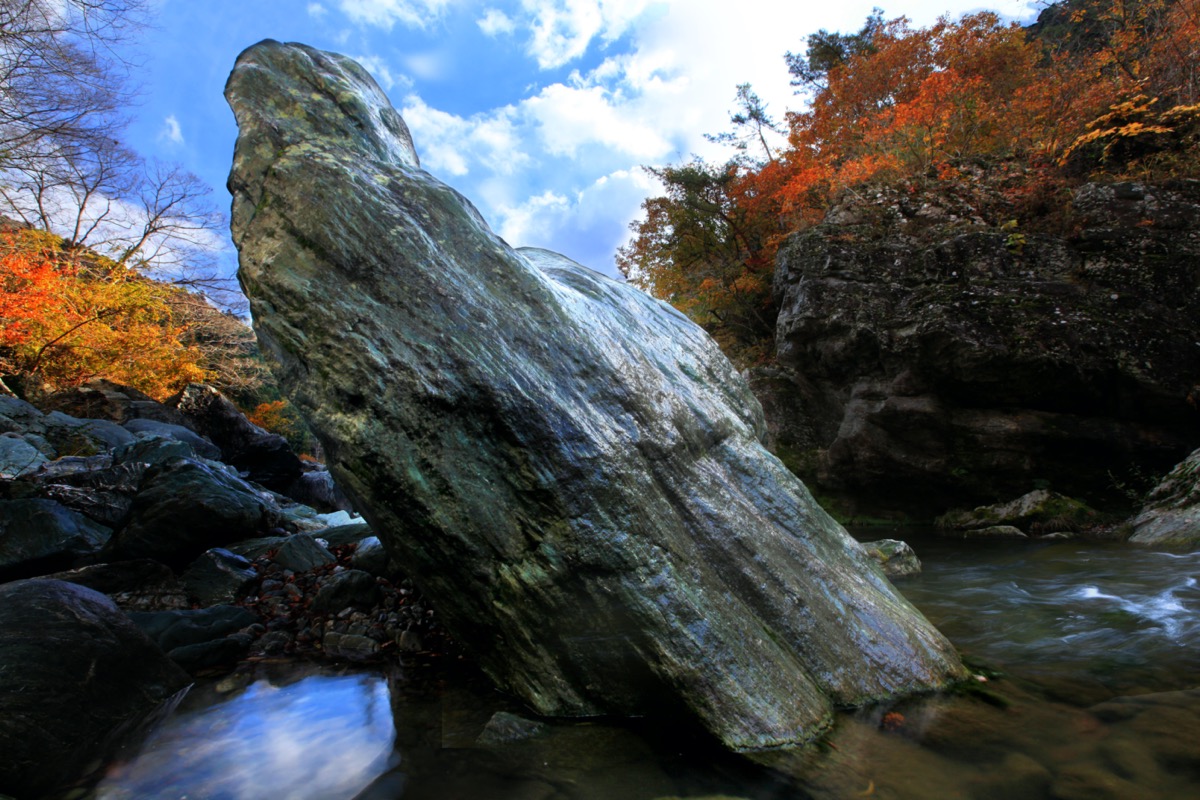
[(707, 249), (1099, 88), (62, 166), (68, 315)]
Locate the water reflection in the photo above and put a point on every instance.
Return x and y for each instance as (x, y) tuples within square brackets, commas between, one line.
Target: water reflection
[(1100, 647), (319, 738)]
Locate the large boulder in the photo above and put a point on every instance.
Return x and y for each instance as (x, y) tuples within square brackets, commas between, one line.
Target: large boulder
[(76, 676), (39, 535), (571, 468), (185, 507), (922, 366), (264, 458)]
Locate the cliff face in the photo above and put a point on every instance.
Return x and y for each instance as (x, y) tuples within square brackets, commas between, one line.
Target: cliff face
[(970, 363)]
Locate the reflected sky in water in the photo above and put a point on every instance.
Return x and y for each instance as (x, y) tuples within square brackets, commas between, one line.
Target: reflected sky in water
[(320, 738)]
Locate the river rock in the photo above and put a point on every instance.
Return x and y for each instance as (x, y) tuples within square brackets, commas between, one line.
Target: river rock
[(265, 458), (187, 506), (352, 588), (139, 585), (103, 399), (75, 676), (896, 557), (302, 552), (171, 629), (1171, 515), (39, 535), (199, 444), (72, 436), (219, 576), (18, 456), (571, 470), (1035, 512)]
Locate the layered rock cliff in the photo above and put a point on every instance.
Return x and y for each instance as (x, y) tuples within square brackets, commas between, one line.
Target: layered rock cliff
[(971, 364)]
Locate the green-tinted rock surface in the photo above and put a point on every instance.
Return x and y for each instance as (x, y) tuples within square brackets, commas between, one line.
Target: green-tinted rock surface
[(1039, 511), (571, 470)]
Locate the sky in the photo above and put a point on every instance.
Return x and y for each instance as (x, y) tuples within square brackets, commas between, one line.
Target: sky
[(542, 112)]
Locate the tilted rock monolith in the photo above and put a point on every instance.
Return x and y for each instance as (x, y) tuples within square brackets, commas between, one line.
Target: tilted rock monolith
[(571, 469)]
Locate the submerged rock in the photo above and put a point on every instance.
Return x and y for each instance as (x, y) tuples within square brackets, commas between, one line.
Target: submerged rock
[(1039, 511), (571, 469), (896, 557)]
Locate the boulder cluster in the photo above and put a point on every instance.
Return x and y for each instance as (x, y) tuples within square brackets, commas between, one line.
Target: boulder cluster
[(143, 544)]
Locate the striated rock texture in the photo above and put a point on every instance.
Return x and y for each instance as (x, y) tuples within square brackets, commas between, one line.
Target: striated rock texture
[(572, 469), (927, 360)]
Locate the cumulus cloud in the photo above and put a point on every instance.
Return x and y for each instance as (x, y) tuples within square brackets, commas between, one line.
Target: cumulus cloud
[(316, 10), (386, 13), (571, 117), (586, 225), (495, 22), (171, 132), (452, 145), (562, 30)]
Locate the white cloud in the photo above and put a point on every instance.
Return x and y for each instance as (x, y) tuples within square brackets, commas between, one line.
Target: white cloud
[(558, 168), (452, 145), (386, 13), (586, 225), (562, 30), (171, 132), (430, 65), (316, 10), (571, 117), (495, 22)]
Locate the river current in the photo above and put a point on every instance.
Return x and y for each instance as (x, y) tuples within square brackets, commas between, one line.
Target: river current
[(1089, 687)]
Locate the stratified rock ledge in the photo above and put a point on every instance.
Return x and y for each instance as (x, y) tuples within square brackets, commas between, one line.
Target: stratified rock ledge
[(572, 468)]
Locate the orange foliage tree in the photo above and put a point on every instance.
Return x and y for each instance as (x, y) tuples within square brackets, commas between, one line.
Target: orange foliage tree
[(69, 316), (1109, 86)]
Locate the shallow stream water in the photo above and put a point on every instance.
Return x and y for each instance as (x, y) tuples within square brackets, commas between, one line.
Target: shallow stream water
[(1091, 654)]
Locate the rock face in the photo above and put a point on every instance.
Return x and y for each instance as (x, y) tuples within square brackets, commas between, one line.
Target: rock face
[(572, 469), (1172, 512), (967, 365), (74, 674)]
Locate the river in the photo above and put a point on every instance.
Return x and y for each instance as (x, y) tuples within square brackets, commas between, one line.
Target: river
[(1089, 654)]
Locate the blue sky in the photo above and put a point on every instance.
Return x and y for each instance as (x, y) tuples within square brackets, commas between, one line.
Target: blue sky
[(540, 111)]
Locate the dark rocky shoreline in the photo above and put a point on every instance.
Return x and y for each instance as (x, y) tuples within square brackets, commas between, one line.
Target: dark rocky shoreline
[(159, 562)]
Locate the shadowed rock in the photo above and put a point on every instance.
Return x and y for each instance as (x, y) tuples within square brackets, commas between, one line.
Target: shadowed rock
[(571, 468)]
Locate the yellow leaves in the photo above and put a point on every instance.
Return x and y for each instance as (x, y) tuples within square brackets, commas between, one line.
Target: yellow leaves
[(68, 317)]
